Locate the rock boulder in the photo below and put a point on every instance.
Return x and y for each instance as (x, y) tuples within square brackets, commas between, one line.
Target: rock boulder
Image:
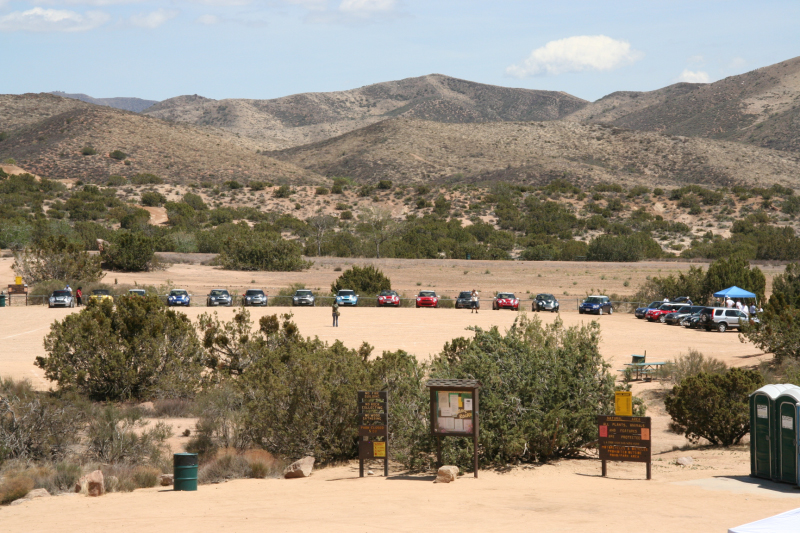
[(301, 468), (446, 474)]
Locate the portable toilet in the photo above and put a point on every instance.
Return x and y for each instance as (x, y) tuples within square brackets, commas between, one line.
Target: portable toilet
[(786, 433), (763, 460)]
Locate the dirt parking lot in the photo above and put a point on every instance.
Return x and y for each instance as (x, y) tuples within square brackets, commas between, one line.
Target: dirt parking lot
[(713, 494)]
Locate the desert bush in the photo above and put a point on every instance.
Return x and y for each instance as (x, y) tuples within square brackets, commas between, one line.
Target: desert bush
[(146, 477), (56, 258), (117, 181), (257, 185), (691, 284), (173, 408), (119, 155), (543, 387), (116, 435), (14, 488), (146, 179), (195, 201), (623, 248), (284, 191), (248, 251), (130, 252), (222, 421), (385, 185), (88, 150), (137, 349), (321, 191), (226, 466), (691, 364), (422, 189), (233, 184), (367, 280), (153, 199), (714, 407), (735, 270)]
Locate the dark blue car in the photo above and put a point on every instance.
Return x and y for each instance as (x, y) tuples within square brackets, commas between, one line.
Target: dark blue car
[(178, 297), (640, 311), (597, 305)]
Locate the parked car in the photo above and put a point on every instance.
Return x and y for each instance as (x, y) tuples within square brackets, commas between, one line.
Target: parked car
[(660, 314), (388, 299), (179, 297), (692, 320), (61, 298), (303, 297), (639, 312), (464, 300), (674, 318), (101, 295), (427, 299), (347, 297), (254, 297), (597, 305), (505, 300), (137, 292), (545, 302), (722, 318), (219, 297)]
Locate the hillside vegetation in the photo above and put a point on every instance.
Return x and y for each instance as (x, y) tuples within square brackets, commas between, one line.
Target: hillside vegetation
[(310, 117)]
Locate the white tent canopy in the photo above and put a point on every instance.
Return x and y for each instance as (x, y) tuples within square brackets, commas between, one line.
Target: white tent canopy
[(788, 522)]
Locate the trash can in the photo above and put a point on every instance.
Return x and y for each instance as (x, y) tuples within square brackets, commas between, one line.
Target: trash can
[(469, 256), (786, 436), (2, 300), (184, 469)]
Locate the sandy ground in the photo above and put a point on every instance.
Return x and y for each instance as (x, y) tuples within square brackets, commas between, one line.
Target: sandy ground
[(712, 495)]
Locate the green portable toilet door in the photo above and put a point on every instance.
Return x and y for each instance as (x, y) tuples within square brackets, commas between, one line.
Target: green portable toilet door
[(761, 435), (788, 442)]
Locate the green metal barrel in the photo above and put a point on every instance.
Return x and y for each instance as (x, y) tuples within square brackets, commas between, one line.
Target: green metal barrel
[(184, 468), (2, 300)]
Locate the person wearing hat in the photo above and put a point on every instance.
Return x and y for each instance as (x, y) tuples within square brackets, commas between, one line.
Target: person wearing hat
[(335, 311)]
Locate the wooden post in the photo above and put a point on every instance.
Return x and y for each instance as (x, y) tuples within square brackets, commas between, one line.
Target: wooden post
[(603, 468), (438, 452), (648, 469), (475, 428)]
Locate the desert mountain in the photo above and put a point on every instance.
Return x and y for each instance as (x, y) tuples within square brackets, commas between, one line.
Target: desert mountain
[(412, 150), (305, 118), (760, 107), (47, 134), (136, 105)]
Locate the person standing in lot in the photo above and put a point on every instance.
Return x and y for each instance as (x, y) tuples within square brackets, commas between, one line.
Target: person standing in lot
[(79, 295), (335, 312), (474, 299), (729, 303)]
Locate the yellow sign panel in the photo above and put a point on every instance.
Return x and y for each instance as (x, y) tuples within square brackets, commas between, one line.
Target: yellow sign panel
[(623, 403), (379, 449), (18, 280)]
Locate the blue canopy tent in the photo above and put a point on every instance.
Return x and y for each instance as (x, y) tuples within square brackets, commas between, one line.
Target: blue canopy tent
[(734, 292)]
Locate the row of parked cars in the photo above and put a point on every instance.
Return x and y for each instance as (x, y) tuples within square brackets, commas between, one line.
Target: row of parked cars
[(682, 313)]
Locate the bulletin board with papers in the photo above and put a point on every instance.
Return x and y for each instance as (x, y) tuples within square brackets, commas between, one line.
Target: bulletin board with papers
[(455, 412)]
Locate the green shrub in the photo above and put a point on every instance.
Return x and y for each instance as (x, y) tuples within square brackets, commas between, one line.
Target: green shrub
[(195, 201), (146, 179), (321, 191), (257, 185), (117, 181), (714, 407), (284, 191), (146, 477), (691, 364), (367, 280), (153, 199), (57, 258), (130, 252), (422, 189), (531, 409), (385, 185), (346, 215), (233, 184), (119, 155), (623, 248), (136, 349), (247, 251), (88, 150)]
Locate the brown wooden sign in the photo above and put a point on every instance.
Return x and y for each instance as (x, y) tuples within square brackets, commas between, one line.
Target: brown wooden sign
[(373, 428), (624, 438), (17, 289), (455, 408)]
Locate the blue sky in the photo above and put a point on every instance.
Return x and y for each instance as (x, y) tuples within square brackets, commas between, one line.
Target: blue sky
[(272, 48)]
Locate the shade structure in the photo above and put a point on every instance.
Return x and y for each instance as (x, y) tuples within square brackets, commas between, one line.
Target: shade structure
[(788, 522), (734, 292)]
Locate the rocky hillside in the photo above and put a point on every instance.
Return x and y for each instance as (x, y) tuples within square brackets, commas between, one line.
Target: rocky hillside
[(761, 107), (414, 151), (304, 118), (47, 135), (136, 105)]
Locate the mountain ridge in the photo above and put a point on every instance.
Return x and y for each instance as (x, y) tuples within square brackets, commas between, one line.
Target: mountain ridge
[(137, 105)]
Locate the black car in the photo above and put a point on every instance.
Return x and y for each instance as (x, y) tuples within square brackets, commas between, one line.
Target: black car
[(303, 297), (674, 318), (464, 300), (640, 311), (255, 297), (219, 297), (545, 302), (692, 321)]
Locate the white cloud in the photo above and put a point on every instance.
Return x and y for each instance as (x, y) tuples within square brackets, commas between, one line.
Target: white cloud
[(576, 54), (52, 20), (208, 20), (366, 7), (153, 20), (690, 76)]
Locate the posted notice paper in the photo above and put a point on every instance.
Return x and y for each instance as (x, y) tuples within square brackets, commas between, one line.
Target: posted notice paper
[(468, 404)]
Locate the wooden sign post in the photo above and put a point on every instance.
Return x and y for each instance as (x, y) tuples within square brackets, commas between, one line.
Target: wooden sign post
[(373, 428), (454, 412), (624, 438)]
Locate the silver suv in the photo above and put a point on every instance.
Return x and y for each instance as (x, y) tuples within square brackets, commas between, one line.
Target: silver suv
[(721, 318)]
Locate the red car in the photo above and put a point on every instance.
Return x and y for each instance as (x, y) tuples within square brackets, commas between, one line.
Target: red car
[(660, 313), (427, 299), (388, 298), (505, 300)]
